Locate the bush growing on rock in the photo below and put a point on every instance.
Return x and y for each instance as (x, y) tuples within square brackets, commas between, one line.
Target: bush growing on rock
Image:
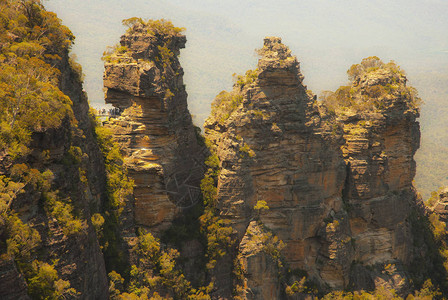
[(374, 87)]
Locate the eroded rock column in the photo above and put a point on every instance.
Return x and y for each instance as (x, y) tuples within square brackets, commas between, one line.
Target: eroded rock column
[(143, 79)]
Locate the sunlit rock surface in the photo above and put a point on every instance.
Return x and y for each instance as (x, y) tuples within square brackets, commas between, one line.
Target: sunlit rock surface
[(155, 129)]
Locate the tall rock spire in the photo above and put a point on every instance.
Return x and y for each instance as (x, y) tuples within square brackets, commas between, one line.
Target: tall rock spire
[(332, 180), (143, 78), (273, 148)]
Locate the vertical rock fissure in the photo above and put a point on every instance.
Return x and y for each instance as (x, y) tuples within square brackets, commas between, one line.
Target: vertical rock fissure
[(346, 187)]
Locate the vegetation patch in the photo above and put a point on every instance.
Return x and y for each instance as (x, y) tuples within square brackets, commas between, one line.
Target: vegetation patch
[(155, 276), (216, 229), (373, 86), (119, 190), (225, 103)]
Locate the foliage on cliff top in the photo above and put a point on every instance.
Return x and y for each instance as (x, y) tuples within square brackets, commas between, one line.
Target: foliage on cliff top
[(374, 87), (31, 102), (162, 29), (153, 27), (30, 37), (225, 103)]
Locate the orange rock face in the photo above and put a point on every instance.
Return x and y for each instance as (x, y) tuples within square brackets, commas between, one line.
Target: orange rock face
[(154, 128), (338, 186)]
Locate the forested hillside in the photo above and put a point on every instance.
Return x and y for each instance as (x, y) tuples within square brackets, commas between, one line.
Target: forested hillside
[(52, 175), (284, 197)]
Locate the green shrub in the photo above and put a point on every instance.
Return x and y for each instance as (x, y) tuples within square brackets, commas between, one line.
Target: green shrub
[(217, 230), (362, 98), (246, 150), (224, 104), (97, 222), (243, 80), (63, 212), (218, 234), (22, 238), (261, 205), (162, 27), (44, 283), (119, 185), (115, 284), (156, 269)]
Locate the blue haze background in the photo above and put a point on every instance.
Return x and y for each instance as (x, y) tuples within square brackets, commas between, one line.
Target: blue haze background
[(327, 36)]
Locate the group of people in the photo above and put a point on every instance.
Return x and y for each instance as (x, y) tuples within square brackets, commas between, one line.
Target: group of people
[(114, 111)]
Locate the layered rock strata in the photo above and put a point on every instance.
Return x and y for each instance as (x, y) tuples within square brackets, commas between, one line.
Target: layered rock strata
[(337, 186), (381, 136), (162, 154), (273, 148)]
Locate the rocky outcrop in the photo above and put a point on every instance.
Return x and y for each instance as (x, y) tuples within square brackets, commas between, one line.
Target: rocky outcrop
[(440, 207), (67, 239), (313, 192), (337, 184), (381, 137), (273, 148), (143, 78), (259, 269)]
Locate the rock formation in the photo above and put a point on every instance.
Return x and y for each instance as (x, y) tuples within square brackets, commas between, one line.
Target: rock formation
[(318, 195), (381, 137), (143, 78), (337, 186), (272, 148), (440, 207), (45, 228)]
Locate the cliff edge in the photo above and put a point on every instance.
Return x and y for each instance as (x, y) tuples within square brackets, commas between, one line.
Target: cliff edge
[(331, 180), (143, 78)]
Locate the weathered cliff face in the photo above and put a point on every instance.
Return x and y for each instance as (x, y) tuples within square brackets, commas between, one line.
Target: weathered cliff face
[(441, 206), (381, 137), (57, 176), (81, 183), (338, 185), (155, 128), (83, 255), (59, 214), (13, 285), (273, 148)]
